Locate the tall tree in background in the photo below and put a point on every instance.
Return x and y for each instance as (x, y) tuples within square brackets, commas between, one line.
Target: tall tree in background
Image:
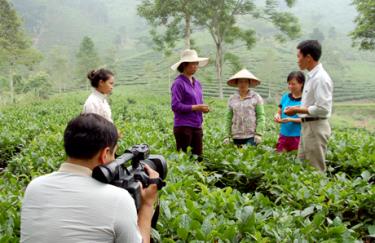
[(168, 14), (15, 47), (316, 34), (364, 33), (220, 17), (87, 59), (267, 64), (58, 65)]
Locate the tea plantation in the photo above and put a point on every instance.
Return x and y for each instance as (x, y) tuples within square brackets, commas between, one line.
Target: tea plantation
[(234, 195)]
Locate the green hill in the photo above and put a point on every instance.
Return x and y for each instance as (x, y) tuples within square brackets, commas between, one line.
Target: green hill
[(115, 23)]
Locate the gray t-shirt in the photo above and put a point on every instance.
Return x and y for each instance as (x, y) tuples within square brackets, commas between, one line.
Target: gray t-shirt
[(71, 206)]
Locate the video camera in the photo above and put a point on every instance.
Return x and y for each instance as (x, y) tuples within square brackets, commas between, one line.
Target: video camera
[(117, 174)]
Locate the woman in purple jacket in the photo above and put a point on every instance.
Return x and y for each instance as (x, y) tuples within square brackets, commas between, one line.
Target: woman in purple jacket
[(187, 103)]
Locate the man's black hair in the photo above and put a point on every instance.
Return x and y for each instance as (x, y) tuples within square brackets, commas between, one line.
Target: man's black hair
[(312, 48), (87, 134)]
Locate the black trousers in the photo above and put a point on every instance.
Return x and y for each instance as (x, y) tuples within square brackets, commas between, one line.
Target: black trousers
[(189, 137)]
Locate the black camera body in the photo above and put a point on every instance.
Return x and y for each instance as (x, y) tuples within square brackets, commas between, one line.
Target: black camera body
[(117, 174)]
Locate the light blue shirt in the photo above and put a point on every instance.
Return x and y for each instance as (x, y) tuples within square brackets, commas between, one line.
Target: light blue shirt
[(289, 129)]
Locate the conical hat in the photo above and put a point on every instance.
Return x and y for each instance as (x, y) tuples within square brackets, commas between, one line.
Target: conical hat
[(245, 74)]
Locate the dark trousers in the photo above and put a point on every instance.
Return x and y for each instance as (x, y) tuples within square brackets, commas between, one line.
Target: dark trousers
[(189, 137), (245, 141)]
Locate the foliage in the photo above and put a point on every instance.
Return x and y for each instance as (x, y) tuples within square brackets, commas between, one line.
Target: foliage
[(168, 14), (87, 59), (251, 194), (316, 34), (220, 19), (364, 33), (15, 47), (59, 67), (11, 34)]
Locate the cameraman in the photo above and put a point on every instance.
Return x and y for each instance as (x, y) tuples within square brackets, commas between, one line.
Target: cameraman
[(71, 206)]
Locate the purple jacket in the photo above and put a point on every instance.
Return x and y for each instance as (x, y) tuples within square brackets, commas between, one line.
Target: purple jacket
[(184, 95)]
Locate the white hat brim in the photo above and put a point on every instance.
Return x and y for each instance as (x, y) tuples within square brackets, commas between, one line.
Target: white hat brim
[(203, 61)]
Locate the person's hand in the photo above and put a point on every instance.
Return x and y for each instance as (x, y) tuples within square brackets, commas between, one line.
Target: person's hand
[(277, 118), (201, 107), (285, 120), (290, 110), (150, 194), (257, 139), (226, 141)]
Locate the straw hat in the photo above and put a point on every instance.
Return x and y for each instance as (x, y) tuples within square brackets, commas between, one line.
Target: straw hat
[(190, 56), (245, 74)]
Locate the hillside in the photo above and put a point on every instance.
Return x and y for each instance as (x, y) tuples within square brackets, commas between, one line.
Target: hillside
[(63, 23)]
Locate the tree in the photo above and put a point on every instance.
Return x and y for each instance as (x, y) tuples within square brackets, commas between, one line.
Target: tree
[(317, 35), (220, 17), (87, 59), (332, 33), (364, 33), (168, 14), (233, 61), (120, 38), (59, 66), (39, 84), (112, 58), (269, 78), (15, 47)]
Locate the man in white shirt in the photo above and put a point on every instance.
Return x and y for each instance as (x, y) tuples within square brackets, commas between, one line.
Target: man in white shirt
[(316, 105), (71, 206)]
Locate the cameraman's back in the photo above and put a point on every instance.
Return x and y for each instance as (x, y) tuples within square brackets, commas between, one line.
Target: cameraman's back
[(71, 206)]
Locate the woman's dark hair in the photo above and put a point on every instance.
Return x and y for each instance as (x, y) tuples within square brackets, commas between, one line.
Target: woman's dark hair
[(297, 75), (98, 74), (311, 47), (182, 66), (87, 134)]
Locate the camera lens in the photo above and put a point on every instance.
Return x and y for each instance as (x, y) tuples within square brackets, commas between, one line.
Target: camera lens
[(157, 163)]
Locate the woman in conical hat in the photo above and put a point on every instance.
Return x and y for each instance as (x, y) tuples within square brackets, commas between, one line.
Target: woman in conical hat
[(245, 119), (187, 103)]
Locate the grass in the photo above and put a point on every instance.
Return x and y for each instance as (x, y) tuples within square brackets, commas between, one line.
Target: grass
[(357, 115)]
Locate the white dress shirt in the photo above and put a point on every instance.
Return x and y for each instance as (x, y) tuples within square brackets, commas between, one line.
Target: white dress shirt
[(97, 103), (71, 206), (317, 93)]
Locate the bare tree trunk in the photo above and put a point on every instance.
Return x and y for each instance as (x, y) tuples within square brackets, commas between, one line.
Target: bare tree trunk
[(187, 31), (219, 66)]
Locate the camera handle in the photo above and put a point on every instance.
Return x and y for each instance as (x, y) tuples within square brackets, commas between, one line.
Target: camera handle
[(155, 216), (158, 181), (160, 184)]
